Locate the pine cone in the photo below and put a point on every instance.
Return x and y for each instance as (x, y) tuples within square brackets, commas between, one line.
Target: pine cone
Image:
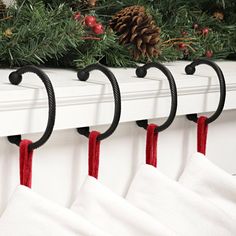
[(91, 3), (218, 15), (137, 30), (2, 10), (83, 4)]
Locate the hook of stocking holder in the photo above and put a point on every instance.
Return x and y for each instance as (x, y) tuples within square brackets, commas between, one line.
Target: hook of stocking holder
[(141, 72), (190, 70), (83, 75), (15, 78)]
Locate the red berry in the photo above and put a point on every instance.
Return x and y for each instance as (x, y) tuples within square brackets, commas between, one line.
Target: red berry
[(195, 26), (182, 46), (98, 29), (77, 16), (209, 53), (90, 21), (205, 31), (184, 33)]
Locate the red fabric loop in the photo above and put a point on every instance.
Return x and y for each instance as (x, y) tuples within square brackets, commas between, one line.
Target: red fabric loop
[(151, 145), (202, 128), (94, 151), (25, 163)]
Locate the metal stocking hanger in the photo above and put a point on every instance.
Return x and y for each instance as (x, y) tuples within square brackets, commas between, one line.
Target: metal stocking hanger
[(141, 72), (83, 75), (16, 78), (190, 70)]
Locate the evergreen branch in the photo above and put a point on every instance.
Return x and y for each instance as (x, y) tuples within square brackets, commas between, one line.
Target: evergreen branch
[(44, 32)]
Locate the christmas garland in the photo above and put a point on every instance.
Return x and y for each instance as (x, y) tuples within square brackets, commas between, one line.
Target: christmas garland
[(115, 33)]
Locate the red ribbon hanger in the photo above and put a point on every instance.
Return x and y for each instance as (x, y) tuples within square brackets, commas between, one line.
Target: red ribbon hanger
[(26, 157), (151, 145), (94, 154), (202, 129)]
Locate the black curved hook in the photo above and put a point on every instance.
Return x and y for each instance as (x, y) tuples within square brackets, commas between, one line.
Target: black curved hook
[(141, 72), (16, 78), (83, 75), (190, 70)]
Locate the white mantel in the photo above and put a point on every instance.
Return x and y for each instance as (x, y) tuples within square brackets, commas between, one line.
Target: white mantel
[(61, 164), (23, 108)]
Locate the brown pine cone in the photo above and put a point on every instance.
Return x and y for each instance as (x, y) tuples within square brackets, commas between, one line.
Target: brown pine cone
[(138, 31), (218, 15), (83, 4)]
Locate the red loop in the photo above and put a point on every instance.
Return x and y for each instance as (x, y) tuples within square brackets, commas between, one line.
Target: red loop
[(202, 128), (151, 145), (94, 151), (25, 163)]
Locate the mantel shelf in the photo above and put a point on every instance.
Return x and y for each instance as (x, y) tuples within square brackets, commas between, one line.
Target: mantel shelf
[(23, 108)]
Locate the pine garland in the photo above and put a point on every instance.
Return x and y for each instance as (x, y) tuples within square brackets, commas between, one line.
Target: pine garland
[(46, 32), (37, 34)]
